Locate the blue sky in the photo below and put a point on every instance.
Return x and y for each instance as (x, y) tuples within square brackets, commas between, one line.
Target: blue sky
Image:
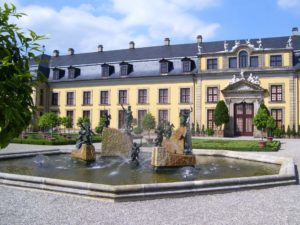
[(114, 23)]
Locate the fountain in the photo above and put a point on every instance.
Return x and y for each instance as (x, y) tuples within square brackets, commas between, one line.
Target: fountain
[(173, 168)]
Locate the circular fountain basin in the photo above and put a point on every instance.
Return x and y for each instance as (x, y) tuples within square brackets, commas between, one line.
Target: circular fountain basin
[(117, 179)]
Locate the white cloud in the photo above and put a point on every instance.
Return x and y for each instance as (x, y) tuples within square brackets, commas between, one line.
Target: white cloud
[(289, 4), (145, 22)]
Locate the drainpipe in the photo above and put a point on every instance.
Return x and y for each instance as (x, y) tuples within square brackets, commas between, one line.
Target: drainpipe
[(194, 98)]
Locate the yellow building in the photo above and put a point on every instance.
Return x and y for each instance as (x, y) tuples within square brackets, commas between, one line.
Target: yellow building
[(164, 80)]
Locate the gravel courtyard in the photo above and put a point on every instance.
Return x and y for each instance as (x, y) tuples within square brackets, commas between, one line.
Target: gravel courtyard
[(279, 205)]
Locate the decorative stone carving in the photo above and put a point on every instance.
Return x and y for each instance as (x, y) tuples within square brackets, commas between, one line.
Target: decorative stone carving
[(86, 153), (253, 79), (289, 43), (176, 142), (225, 46), (115, 143), (259, 42), (162, 158)]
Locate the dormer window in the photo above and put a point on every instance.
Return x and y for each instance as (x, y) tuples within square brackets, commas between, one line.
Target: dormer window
[(73, 72), (186, 65), (125, 68), (165, 66), (107, 70), (58, 73)]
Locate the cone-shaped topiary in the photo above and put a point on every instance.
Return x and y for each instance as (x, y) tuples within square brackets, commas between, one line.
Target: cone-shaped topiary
[(221, 115)]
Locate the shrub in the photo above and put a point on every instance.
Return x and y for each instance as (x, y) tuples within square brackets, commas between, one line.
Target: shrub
[(221, 115), (203, 130), (193, 131), (137, 130), (271, 125), (261, 118), (148, 123), (289, 131), (294, 131), (83, 120), (49, 121), (197, 129), (278, 132), (210, 132), (101, 125)]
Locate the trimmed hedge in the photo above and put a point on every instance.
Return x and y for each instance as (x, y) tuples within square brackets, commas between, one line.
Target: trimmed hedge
[(37, 139), (235, 145)]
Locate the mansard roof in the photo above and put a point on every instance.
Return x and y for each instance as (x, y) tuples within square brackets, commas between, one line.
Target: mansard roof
[(167, 52)]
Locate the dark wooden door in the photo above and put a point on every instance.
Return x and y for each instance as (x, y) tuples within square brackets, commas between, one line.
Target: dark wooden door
[(243, 115)]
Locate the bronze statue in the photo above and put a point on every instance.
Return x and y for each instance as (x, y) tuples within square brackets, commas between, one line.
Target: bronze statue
[(85, 135), (128, 118), (188, 136), (107, 119), (135, 151), (160, 132), (168, 130)]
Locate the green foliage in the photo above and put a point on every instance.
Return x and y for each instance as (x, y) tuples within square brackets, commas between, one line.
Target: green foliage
[(101, 125), (234, 145), (197, 129), (148, 123), (289, 131), (193, 131), (66, 122), (137, 130), (209, 132), (49, 121), (261, 118), (271, 125), (221, 115), (294, 131), (283, 130), (16, 81), (83, 120), (298, 131), (278, 132), (203, 130), (37, 139)]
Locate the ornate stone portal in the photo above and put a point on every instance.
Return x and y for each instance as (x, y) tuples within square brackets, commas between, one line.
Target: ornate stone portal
[(242, 90)]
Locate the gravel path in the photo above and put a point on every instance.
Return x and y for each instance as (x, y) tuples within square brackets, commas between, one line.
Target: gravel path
[(279, 205)]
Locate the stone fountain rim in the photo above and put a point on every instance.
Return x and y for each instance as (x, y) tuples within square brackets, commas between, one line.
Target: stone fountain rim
[(286, 176)]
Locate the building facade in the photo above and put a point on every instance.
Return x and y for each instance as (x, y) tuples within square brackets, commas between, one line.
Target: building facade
[(167, 79)]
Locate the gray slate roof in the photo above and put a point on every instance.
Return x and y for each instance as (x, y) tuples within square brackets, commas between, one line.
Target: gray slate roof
[(159, 52)]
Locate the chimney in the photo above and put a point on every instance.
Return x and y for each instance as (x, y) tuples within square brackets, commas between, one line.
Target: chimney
[(199, 39), (167, 41), (55, 53), (100, 48), (71, 51), (131, 45), (295, 31)]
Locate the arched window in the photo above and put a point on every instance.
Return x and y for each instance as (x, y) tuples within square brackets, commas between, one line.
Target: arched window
[(243, 59)]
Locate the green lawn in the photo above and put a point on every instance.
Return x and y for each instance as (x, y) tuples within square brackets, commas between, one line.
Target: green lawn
[(39, 139), (234, 145)]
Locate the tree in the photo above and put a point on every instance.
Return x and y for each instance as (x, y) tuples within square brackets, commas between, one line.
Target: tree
[(221, 115), (148, 123), (197, 129), (101, 125), (289, 131), (261, 118), (193, 130), (271, 125), (49, 121), (66, 122), (82, 120), (16, 81)]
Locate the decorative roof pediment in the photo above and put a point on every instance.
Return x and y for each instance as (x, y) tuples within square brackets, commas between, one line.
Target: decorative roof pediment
[(242, 86)]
